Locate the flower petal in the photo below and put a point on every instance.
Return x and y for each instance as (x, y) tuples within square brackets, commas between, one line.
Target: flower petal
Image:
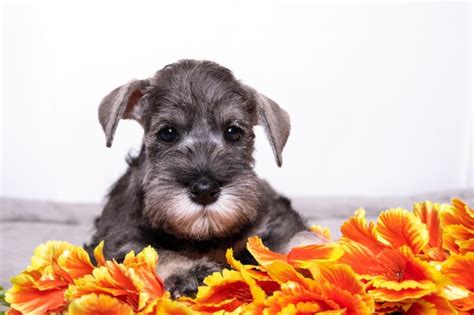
[(441, 304), (304, 256), (400, 227), (465, 304), (292, 294), (459, 213), (31, 294), (75, 262), (339, 283), (165, 306), (223, 291), (428, 213), (454, 235), (389, 295), (356, 255), (99, 254), (358, 230), (283, 272), (339, 275), (466, 246), (134, 282), (261, 253), (460, 269), (258, 294), (322, 232), (92, 304)]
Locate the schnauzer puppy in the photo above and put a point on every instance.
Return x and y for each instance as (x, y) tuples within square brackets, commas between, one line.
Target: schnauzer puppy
[(192, 192)]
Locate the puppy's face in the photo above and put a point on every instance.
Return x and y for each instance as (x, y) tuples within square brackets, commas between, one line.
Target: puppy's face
[(198, 119)]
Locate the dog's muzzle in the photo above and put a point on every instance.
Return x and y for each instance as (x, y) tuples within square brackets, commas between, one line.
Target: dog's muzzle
[(204, 191)]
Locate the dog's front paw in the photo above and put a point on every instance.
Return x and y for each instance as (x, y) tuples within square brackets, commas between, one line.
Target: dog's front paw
[(186, 282)]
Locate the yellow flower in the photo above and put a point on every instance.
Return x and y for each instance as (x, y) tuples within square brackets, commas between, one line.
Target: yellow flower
[(333, 289), (93, 304), (166, 306), (134, 282), (40, 288), (226, 290), (398, 275)]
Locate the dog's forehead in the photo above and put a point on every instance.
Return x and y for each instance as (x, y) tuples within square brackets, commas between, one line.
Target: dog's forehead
[(189, 93)]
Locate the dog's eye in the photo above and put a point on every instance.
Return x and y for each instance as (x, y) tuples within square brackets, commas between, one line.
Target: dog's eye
[(168, 134), (233, 133)]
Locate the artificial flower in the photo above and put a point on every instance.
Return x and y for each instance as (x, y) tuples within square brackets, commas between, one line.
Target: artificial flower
[(134, 282), (93, 304)]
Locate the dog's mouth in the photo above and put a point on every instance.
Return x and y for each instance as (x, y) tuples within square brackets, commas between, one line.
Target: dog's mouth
[(203, 211)]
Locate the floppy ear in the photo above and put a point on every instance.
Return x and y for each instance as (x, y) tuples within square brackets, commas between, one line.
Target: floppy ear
[(121, 103), (276, 123)]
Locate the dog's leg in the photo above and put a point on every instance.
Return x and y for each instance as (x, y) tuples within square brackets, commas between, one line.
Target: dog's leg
[(183, 275)]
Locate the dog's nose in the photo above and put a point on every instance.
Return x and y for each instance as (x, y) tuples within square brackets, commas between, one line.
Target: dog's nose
[(204, 191)]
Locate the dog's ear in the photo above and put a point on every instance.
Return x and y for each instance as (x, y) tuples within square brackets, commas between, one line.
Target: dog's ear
[(121, 103), (275, 121)]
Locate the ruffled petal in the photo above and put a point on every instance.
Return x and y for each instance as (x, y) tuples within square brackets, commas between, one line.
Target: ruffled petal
[(223, 291), (358, 230), (359, 257), (261, 253), (75, 262), (454, 235), (428, 213), (93, 304), (460, 269), (400, 227), (304, 256), (459, 213), (32, 295), (322, 232)]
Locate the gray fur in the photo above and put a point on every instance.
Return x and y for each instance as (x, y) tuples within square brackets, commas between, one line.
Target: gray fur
[(150, 204)]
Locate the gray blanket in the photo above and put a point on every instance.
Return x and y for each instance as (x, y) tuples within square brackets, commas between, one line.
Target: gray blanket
[(24, 224)]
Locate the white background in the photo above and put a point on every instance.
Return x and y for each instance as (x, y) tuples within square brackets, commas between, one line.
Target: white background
[(379, 94)]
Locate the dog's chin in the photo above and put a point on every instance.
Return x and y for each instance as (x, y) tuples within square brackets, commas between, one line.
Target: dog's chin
[(182, 217)]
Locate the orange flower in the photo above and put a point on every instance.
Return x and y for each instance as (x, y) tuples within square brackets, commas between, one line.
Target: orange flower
[(401, 263), (399, 275), (455, 236), (460, 270), (334, 288), (232, 290), (300, 257), (92, 304), (32, 293), (134, 282), (40, 288), (398, 227), (458, 227), (226, 290), (458, 214), (429, 213)]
